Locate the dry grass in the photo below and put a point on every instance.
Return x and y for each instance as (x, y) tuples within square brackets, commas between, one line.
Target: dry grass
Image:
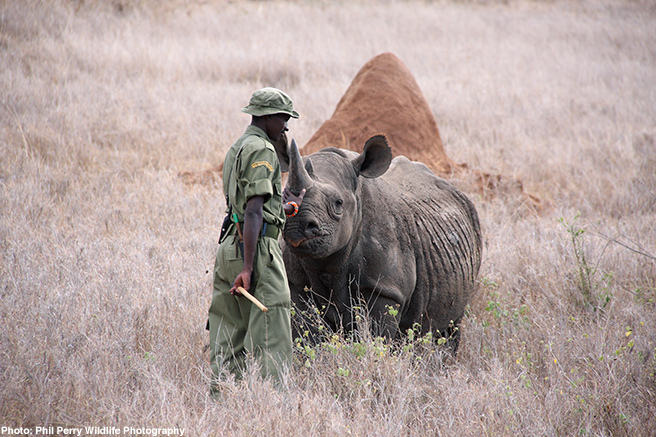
[(105, 252)]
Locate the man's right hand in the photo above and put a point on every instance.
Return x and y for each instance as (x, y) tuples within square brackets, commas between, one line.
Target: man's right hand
[(243, 279)]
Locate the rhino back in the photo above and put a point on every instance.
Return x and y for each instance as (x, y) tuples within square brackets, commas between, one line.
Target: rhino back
[(443, 228)]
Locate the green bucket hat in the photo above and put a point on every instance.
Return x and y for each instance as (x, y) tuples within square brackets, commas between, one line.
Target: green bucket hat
[(269, 101)]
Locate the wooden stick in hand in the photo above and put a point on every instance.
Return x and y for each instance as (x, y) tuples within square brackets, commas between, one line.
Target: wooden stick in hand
[(252, 298)]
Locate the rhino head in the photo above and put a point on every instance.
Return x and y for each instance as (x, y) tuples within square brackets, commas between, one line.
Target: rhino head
[(330, 215)]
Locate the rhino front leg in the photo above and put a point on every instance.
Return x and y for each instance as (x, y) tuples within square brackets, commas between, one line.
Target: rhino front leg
[(385, 316)]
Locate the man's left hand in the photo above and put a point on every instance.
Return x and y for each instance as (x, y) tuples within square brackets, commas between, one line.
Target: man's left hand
[(288, 196)]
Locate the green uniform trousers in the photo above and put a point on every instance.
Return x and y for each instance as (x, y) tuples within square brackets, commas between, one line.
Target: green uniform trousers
[(238, 328)]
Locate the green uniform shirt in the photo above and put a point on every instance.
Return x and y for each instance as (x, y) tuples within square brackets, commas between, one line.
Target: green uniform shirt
[(251, 168)]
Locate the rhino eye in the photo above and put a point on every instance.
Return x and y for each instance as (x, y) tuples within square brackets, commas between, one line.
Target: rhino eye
[(337, 209)]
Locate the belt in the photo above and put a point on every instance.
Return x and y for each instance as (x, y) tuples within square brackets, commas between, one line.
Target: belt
[(268, 230)]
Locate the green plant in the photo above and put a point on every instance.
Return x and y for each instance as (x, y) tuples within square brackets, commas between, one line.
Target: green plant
[(583, 270), (505, 314), (596, 293)]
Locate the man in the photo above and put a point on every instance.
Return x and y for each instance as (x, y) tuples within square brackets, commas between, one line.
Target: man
[(249, 254)]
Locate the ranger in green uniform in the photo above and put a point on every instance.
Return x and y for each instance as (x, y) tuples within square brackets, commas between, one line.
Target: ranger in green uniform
[(249, 254)]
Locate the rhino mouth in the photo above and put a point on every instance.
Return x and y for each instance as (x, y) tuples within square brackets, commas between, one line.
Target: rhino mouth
[(303, 241), (310, 246), (297, 243)]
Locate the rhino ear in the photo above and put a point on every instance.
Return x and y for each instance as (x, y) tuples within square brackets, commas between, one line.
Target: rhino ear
[(309, 168), (375, 159)]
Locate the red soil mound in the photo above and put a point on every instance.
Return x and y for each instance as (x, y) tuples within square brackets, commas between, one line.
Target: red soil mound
[(385, 98)]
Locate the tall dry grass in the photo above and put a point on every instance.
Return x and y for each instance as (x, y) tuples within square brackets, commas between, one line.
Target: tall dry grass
[(106, 253)]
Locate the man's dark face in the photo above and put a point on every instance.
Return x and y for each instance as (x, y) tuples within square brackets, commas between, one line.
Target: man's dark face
[(276, 125)]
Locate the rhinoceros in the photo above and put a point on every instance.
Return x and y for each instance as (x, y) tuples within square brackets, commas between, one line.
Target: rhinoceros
[(381, 234)]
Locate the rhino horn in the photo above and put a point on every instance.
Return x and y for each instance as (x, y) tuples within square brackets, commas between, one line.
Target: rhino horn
[(299, 174), (282, 150)]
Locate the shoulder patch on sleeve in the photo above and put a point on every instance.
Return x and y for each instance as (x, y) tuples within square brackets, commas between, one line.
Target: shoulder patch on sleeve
[(261, 163)]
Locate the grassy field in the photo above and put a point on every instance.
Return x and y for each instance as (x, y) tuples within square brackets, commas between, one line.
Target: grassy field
[(106, 253)]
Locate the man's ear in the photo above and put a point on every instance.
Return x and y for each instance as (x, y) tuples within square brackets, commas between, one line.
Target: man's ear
[(281, 151)]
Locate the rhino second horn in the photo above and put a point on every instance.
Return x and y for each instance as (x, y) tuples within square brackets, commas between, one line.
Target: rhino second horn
[(299, 177)]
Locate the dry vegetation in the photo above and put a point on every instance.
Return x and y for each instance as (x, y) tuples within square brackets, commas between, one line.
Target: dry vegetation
[(105, 252)]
